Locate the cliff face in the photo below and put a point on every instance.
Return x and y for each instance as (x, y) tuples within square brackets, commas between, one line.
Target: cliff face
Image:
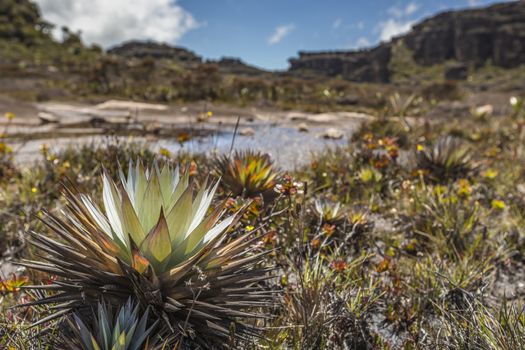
[(366, 65), (495, 33), (474, 36)]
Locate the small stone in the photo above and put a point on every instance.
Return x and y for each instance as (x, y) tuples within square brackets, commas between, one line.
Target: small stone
[(332, 133), (46, 118), (484, 111), (247, 132), (152, 128), (302, 127)]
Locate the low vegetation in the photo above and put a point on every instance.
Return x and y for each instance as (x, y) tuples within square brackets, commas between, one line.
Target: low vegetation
[(408, 237)]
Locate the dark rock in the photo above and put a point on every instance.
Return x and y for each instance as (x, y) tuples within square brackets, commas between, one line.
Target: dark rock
[(234, 65), (348, 100), (457, 71), (143, 49), (366, 65), (473, 36)]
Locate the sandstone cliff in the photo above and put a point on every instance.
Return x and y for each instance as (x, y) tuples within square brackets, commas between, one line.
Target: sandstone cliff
[(366, 65), (495, 33), (474, 36)]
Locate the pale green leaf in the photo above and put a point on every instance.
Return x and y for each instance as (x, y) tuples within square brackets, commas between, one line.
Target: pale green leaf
[(157, 244)]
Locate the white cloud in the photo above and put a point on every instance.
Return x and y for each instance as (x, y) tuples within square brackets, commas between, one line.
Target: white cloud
[(362, 42), (399, 11), (400, 21), (109, 22), (473, 3), (411, 8), (392, 27), (395, 11), (280, 33), (360, 25), (337, 23)]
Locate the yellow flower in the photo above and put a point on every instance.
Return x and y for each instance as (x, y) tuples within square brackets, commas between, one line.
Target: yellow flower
[(249, 228), (439, 190), (34, 190), (490, 174), (358, 218), (209, 114), (44, 149), (284, 280), (464, 189), (183, 137), (497, 204), (492, 152), (369, 174), (51, 158), (165, 152), (5, 149), (475, 136), (420, 148), (9, 116)]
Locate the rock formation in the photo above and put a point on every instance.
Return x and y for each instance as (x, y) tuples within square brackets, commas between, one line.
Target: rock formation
[(365, 65), (142, 49), (234, 65), (495, 33), (473, 37)]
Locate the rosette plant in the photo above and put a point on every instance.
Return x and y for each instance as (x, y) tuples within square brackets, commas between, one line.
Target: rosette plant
[(248, 174), (110, 331), (328, 212), (448, 159), (156, 242)]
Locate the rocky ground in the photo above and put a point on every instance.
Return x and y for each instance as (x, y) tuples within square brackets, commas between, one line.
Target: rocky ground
[(203, 127), (61, 124)]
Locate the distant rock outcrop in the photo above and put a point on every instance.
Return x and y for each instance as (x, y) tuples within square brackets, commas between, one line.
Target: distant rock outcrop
[(473, 37), (365, 65), (234, 65), (495, 33), (142, 49)]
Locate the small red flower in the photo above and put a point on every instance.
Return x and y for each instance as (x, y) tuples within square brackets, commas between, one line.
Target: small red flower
[(339, 265)]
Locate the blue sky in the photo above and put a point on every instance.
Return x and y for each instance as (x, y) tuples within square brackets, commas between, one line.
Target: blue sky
[(264, 33)]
